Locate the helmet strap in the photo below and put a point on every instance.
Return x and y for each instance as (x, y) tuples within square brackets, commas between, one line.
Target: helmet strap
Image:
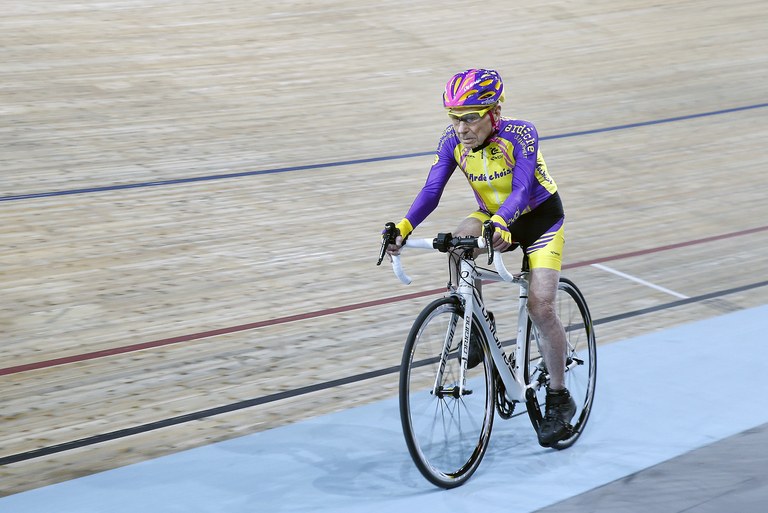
[(494, 122)]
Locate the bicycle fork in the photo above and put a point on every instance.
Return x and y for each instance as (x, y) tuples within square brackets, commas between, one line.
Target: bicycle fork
[(509, 369), (466, 295)]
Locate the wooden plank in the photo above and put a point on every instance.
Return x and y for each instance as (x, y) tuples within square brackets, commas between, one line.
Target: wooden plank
[(97, 95)]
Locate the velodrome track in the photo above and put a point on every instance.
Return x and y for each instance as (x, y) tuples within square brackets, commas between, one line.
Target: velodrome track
[(192, 416), (164, 308), (660, 396)]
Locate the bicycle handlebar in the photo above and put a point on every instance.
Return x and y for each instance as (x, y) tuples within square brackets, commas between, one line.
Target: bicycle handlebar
[(442, 245)]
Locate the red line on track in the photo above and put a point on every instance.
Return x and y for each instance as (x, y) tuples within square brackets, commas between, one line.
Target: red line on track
[(330, 311), (631, 254)]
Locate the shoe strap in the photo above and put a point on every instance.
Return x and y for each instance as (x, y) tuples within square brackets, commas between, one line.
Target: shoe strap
[(555, 397)]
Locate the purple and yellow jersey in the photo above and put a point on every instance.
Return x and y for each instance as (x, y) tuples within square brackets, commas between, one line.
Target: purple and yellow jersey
[(507, 174)]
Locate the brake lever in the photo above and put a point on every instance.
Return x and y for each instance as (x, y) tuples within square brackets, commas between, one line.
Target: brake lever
[(389, 237), (488, 230)]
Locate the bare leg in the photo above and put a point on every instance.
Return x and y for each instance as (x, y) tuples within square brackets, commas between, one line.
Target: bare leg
[(541, 307)]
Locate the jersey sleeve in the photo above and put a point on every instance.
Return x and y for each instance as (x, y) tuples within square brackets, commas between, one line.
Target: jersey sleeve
[(525, 140), (429, 197)]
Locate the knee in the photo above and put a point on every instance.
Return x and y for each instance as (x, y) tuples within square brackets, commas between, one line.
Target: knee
[(540, 309), (469, 227)]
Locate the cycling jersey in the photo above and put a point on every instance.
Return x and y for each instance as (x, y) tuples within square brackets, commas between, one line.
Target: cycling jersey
[(507, 173), (509, 177)]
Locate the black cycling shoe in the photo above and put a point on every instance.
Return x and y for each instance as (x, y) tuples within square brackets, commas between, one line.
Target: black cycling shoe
[(560, 409), (475, 351)]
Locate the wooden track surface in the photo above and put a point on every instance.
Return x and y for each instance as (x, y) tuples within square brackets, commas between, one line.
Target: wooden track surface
[(102, 95)]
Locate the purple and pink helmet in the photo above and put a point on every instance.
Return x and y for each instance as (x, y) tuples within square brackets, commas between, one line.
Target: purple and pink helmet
[(473, 87)]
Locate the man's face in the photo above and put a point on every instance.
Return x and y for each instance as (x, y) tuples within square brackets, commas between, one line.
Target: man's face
[(473, 126)]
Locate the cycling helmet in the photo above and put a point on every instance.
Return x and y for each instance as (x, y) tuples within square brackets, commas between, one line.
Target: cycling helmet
[(473, 87)]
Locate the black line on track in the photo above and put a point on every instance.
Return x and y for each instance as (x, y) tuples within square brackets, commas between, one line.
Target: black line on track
[(308, 167), (249, 403)]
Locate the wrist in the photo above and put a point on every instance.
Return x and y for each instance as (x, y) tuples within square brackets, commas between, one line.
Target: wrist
[(497, 219), (405, 228)]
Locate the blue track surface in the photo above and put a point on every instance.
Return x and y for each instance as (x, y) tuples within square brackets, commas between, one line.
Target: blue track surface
[(659, 396)]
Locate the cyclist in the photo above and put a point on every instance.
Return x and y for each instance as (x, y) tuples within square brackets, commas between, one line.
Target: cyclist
[(500, 159)]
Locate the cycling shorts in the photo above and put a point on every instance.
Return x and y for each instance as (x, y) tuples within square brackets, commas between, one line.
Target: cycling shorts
[(539, 232)]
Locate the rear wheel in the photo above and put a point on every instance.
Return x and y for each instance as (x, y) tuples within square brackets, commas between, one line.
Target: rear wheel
[(447, 430), (581, 362)]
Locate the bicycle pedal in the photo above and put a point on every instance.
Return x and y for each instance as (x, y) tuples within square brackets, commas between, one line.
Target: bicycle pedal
[(452, 392)]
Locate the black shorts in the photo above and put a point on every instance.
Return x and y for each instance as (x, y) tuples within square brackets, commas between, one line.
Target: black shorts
[(531, 226)]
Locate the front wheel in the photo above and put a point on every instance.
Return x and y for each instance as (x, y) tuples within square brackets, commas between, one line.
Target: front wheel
[(581, 361), (446, 428)]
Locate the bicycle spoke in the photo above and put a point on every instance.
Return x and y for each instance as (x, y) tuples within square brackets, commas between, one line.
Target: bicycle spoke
[(581, 361), (447, 431)]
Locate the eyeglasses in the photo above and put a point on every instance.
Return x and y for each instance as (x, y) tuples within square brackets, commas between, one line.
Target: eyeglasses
[(470, 117)]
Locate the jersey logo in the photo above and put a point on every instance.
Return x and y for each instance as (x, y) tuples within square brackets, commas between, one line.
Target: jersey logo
[(543, 174), (491, 176), (525, 136)]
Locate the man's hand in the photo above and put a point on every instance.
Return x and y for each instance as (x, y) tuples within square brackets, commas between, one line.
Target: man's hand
[(404, 229), (502, 239), (394, 249)]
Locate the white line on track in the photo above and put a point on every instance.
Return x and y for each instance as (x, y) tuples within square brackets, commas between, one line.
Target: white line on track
[(638, 280)]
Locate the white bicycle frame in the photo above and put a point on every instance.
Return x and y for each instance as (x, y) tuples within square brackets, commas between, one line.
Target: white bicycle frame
[(510, 372)]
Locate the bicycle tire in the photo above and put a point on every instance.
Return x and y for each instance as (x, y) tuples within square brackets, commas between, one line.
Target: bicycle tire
[(581, 362), (447, 435)]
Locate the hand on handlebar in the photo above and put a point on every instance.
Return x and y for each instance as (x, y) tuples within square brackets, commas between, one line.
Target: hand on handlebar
[(502, 239), (394, 249), (500, 243), (393, 238)]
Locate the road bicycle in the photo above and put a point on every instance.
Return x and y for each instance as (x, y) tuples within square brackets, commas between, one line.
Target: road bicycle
[(447, 409)]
